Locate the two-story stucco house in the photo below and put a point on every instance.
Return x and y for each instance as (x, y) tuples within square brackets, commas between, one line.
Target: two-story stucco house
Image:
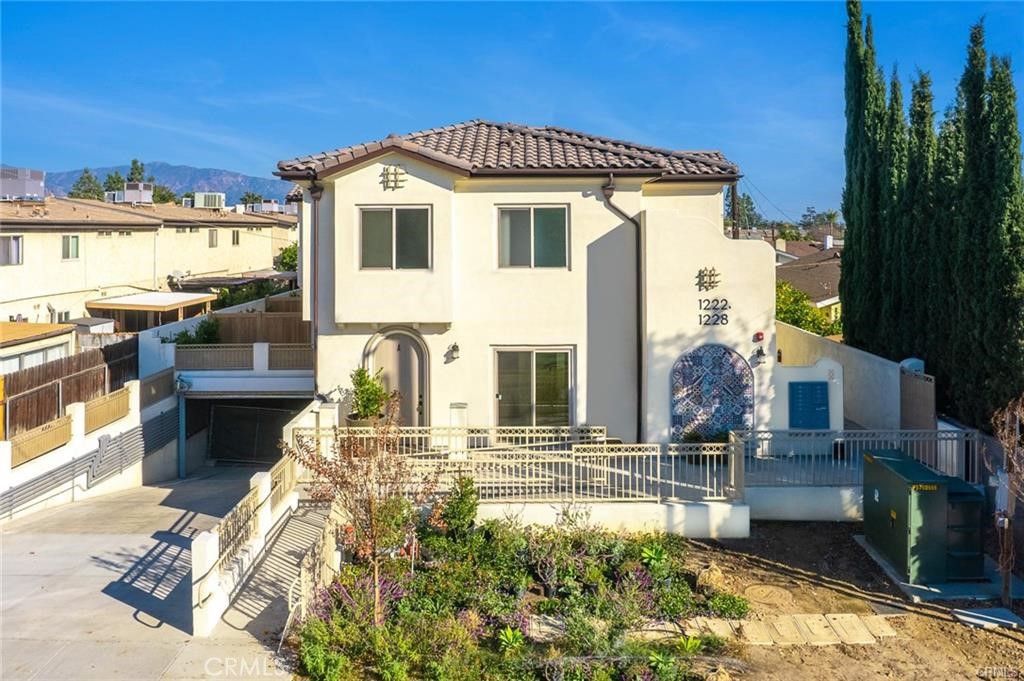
[(511, 275)]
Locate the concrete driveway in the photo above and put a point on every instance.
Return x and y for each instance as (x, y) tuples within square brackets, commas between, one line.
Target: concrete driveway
[(101, 589)]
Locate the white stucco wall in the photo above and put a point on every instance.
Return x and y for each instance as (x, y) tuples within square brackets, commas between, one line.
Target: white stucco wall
[(588, 306), (871, 384)]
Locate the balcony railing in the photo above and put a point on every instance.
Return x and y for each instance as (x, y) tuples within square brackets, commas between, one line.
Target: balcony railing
[(38, 441), (213, 357), (156, 387), (105, 410), (284, 356)]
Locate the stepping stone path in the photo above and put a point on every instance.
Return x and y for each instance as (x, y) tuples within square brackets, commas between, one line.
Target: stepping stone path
[(788, 630)]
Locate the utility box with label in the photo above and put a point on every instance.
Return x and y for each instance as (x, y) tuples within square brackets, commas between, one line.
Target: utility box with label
[(926, 524)]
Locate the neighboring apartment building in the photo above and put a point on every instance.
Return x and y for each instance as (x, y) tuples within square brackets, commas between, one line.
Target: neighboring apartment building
[(56, 255), (518, 276), (24, 345)]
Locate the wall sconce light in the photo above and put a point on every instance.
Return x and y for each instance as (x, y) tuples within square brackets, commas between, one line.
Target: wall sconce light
[(453, 351), (759, 337), (759, 353)]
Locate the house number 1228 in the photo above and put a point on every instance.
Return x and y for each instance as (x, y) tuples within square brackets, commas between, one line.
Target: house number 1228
[(712, 311)]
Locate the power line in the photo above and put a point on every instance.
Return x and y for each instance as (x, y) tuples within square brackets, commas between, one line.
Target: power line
[(746, 178)]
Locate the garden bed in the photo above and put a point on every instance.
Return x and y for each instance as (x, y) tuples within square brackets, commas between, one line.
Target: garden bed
[(501, 601)]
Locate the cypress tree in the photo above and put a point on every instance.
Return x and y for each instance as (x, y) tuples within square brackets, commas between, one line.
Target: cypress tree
[(970, 259), (948, 187), (891, 224), (869, 259), (917, 242), (1003, 369), (854, 75)]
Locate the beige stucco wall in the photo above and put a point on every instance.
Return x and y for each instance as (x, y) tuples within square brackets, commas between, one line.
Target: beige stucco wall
[(115, 265), (588, 306)]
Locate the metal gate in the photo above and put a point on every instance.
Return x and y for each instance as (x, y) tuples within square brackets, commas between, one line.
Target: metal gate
[(241, 433)]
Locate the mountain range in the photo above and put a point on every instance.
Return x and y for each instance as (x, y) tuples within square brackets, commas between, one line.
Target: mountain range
[(182, 179)]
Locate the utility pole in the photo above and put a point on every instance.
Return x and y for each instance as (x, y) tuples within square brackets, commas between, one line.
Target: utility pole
[(735, 209)]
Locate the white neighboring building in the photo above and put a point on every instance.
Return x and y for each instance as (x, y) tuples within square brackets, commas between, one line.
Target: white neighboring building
[(503, 274)]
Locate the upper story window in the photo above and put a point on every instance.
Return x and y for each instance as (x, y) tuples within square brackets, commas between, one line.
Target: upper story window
[(235, 237), (394, 238), (536, 236), (11, 250), (213, 238), (69, 247)]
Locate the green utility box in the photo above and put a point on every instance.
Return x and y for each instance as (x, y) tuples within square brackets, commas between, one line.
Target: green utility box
[(926, 524)]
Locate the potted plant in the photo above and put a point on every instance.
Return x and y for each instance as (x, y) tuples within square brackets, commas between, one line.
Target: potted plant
[(368, 398)]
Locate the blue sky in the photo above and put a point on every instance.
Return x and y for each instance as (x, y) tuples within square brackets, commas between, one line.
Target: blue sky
[(239, 86)]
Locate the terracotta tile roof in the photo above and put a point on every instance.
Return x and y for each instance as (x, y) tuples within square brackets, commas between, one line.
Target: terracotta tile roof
[(816, 275), (294, 194), (484, 148)]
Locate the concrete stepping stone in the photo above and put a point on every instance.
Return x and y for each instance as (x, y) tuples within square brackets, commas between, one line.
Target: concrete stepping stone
[(850, 629), (755, 633), (717, 626), (816, 630), (784, 631), (878, 626)]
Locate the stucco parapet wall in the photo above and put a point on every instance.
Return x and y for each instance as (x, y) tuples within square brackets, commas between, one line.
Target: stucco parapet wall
[(698, 520)]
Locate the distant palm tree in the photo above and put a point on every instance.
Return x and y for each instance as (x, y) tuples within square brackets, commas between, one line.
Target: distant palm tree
[(830, 216)]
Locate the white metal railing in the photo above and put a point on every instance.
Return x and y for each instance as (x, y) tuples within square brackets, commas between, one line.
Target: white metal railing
[(836, 458), (561, 464)]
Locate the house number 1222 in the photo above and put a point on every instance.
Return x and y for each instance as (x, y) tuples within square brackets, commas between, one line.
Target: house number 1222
[(712, 311)]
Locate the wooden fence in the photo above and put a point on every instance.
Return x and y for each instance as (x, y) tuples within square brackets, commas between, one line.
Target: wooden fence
[(290, 356), (38, 441), (291, 304), (263, 327), (35, 396), (106, 409), (212, 357)]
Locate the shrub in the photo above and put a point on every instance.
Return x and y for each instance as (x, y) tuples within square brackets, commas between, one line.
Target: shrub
[(207, 332), (675, 599), (728, 605), (317, 654), (458, 511), (656, 559), (368, 393)]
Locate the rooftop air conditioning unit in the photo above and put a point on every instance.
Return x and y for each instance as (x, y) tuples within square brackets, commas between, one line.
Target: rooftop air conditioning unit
[(213, 200), (187, 202), (137, 192)]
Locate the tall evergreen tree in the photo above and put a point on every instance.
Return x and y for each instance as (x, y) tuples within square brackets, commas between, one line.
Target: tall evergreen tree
[(851, 205), (916, 243), (948, 187), (114, 182), (891, 259), (1003, 378), (969, 258), (137, 172), (86, 187)]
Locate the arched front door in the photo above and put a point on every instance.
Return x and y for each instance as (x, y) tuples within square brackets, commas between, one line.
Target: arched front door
[(403, 358), (712, 393)]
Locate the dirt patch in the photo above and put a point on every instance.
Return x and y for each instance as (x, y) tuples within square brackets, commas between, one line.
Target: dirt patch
[(790, 568)]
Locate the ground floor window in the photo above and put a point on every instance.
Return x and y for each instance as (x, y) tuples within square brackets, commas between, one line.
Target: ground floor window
[(533, 387)]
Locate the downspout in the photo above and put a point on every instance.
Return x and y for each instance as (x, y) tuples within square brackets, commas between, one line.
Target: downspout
[(315, 192), (609, 191)]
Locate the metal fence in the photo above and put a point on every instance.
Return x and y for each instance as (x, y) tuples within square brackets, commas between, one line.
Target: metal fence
[(283, 477), (213, 357), (836, 458), (238, 527), (105, 410), (559, 464), (290, 356)]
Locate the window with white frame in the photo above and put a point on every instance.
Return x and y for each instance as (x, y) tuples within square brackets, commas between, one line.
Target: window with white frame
[(11, 250), (394, 238), (69, 247), (213, 239), (533, 236), (533, 386)]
